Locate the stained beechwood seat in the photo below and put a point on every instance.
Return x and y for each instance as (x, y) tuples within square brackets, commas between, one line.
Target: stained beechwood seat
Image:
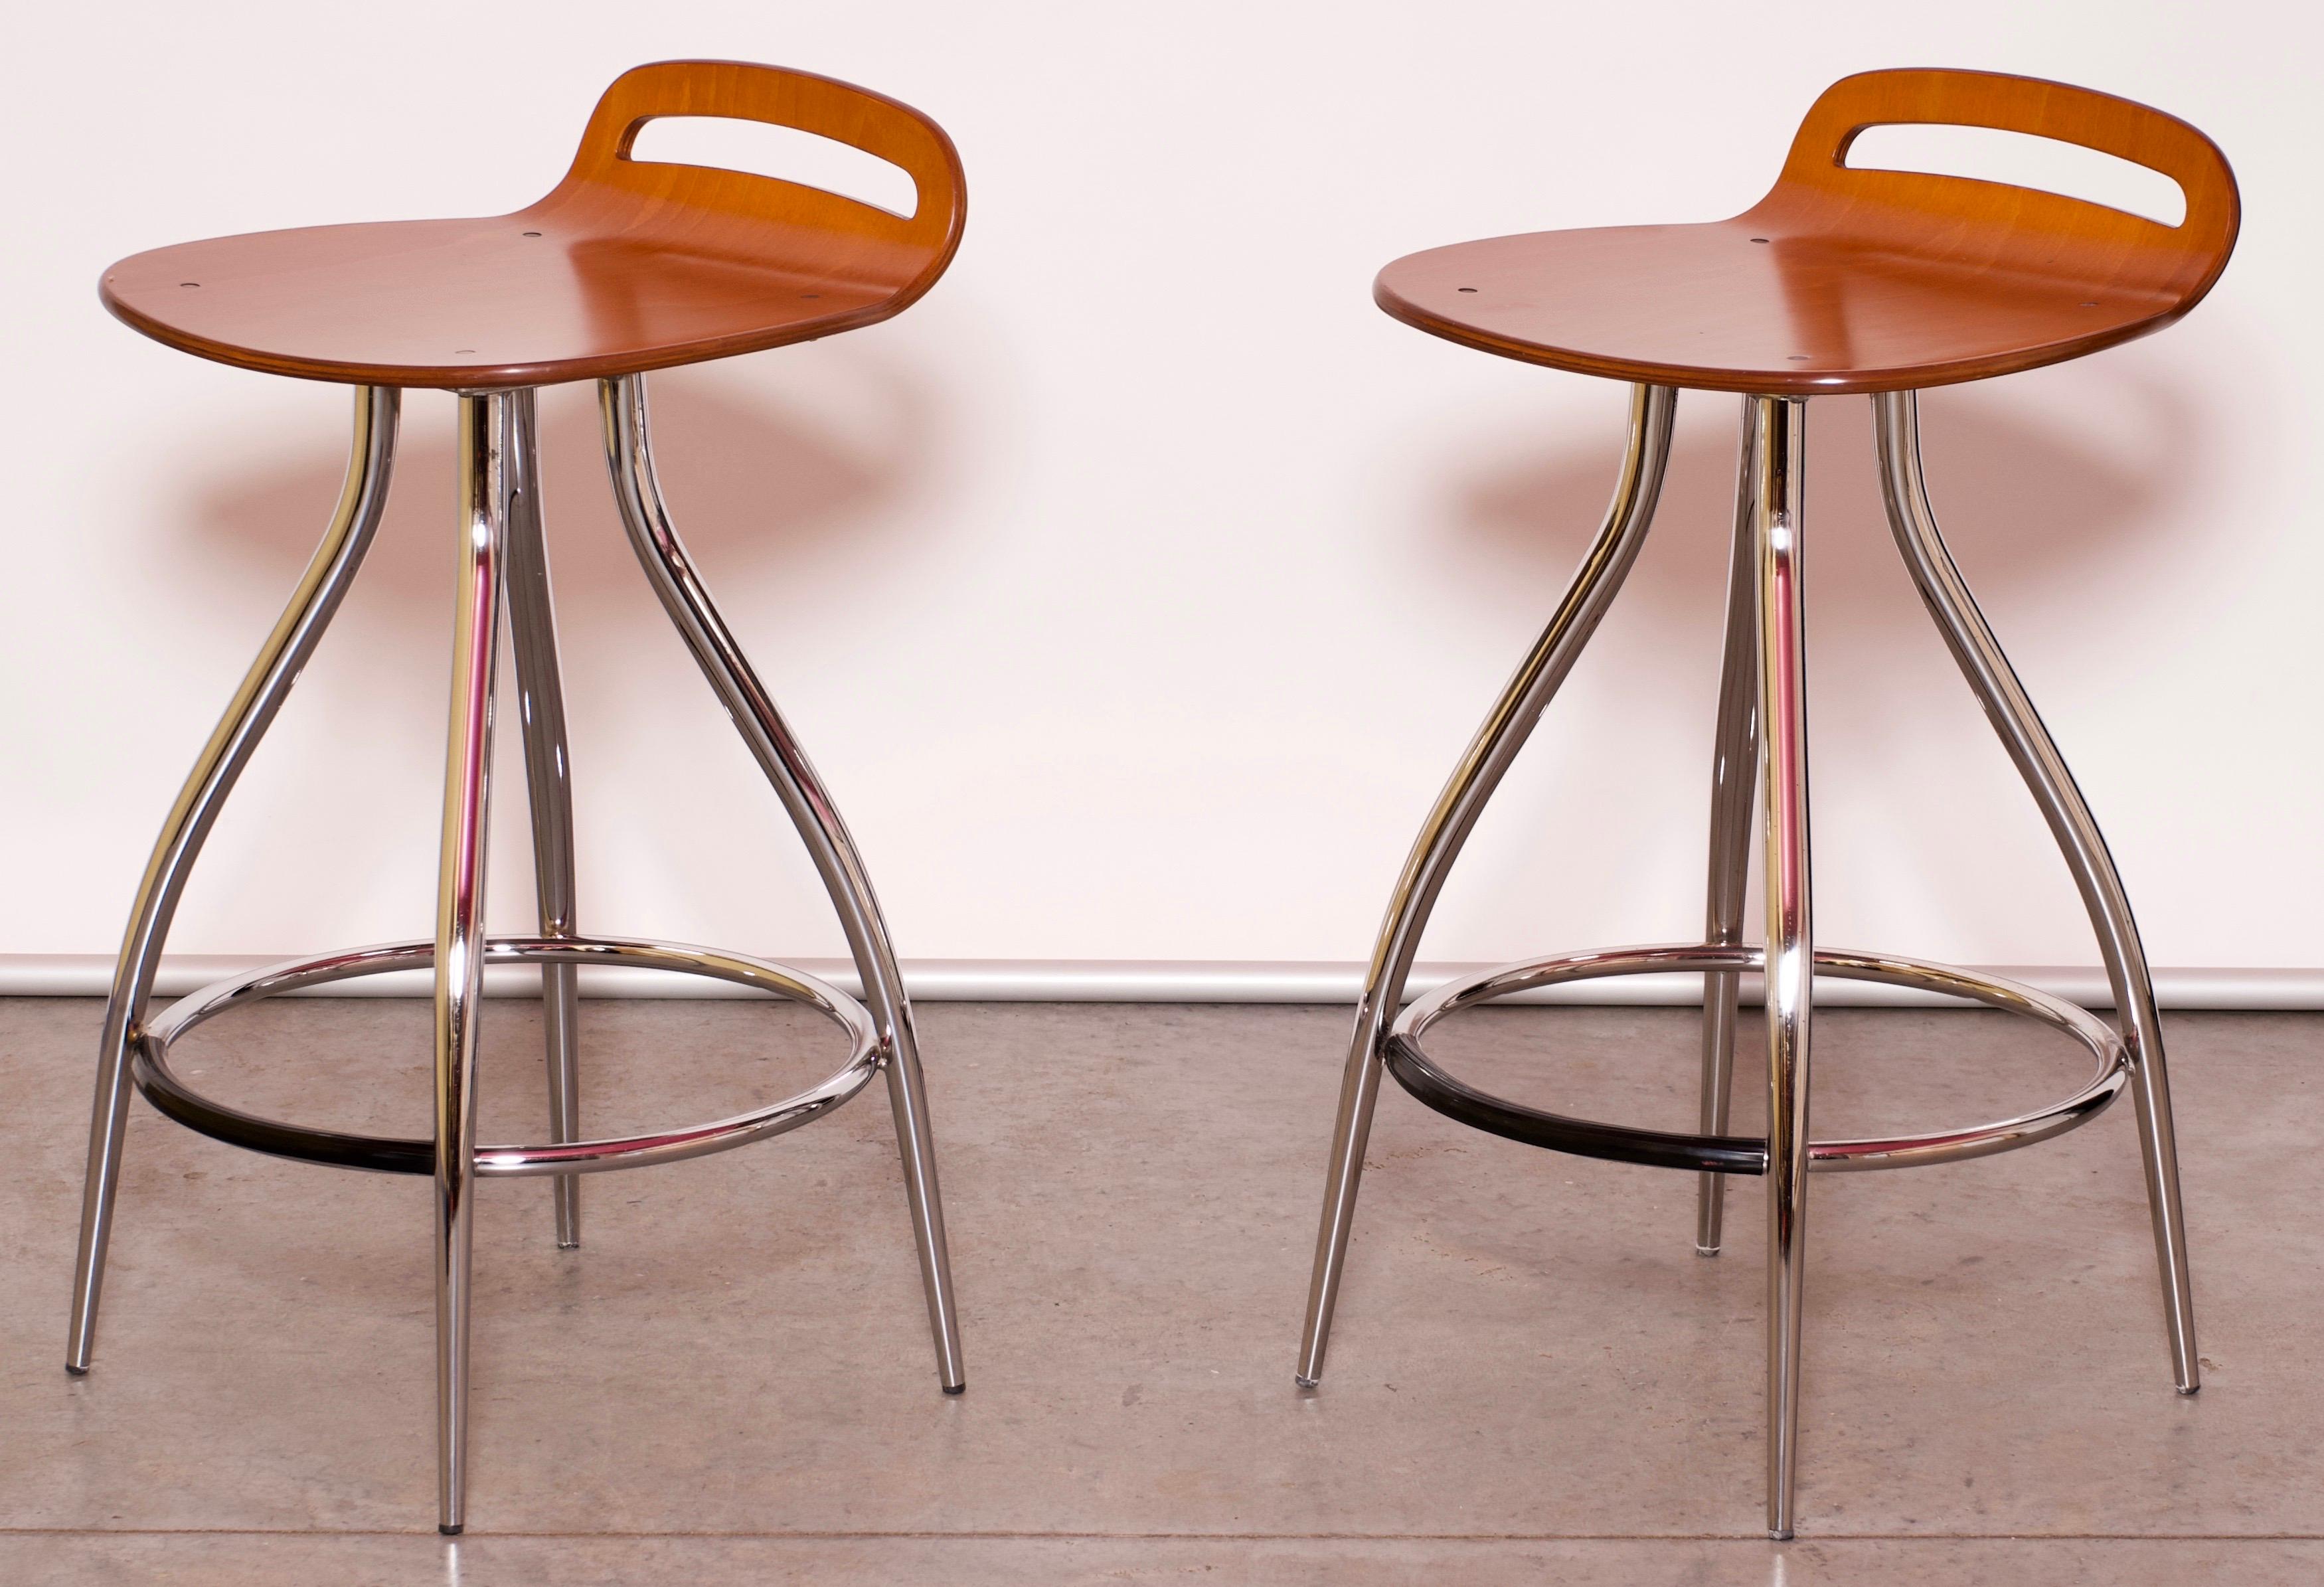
[(627, 266), (1841, 281)]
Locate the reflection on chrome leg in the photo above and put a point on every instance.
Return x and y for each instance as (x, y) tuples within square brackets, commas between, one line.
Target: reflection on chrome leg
[(548, 783), (486, 446), (263, 690), (629, 454), (1447, 827), (1896, 432), (1781, 447), (1734, 784)]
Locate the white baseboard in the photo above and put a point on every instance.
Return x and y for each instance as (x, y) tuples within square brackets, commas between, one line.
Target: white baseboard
[(1097, 981)]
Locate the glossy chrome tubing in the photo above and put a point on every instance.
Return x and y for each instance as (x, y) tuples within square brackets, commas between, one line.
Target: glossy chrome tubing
[(629, 456), (387, 1154), (1734, 769), (548, 783), (1781, 445), (263, 690), (486, 481), (1896, 435), (1479, 771), (1919, 1149)]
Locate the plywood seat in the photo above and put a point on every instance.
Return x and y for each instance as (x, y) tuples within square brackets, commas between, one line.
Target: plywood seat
[(1850, 280), (629, 265)]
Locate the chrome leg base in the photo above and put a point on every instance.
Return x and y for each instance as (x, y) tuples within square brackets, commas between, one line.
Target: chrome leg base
[(1408, 1062), (280, 660), (629, 454), (171, 1095), (1607, 562), (488, 444), (1789, 962), (503, 576), (1896, 433), (1734, 765), (1762, 741), (549, 782)]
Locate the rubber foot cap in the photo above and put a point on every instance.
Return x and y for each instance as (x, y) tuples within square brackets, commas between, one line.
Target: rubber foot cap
[(957, 1388), (73, 1372), (1303, 1382), (451, 1531)]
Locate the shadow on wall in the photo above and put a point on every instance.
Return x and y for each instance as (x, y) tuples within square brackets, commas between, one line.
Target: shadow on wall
[(751, 480), (2025, 505)]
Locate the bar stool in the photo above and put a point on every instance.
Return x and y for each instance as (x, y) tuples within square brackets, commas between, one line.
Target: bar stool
[(1841, 281), (628, 266)]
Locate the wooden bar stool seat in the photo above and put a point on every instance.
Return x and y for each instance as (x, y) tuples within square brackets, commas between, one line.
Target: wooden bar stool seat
[(628, 266), (1845, 278), (1842, 280)]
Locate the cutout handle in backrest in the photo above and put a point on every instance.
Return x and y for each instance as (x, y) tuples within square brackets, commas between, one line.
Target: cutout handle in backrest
[(741, 91), (2024, 159), (2121, 127), (784, 154)]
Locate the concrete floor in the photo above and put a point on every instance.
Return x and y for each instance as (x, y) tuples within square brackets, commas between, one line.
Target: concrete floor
[(1535, 1378)]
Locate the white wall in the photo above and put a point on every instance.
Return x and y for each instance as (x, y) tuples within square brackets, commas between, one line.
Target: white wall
[(1136, 591)]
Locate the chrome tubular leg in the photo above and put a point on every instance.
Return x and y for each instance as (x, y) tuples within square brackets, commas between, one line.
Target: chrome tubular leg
[(548, 781), (629, 454), (1734, 766), (1479, 771), (486, 445), (263, 690), (1896, 431), (1781, 447)]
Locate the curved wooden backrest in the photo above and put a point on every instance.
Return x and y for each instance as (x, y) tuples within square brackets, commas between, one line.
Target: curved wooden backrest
[(905, 251), (2185, 258)]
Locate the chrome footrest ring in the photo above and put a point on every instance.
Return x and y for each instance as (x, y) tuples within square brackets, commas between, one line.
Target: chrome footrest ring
[(385, 1154), (1727, 1153)]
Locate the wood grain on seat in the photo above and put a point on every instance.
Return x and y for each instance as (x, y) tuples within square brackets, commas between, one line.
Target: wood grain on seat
[(1847, 280), (628, 265)]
